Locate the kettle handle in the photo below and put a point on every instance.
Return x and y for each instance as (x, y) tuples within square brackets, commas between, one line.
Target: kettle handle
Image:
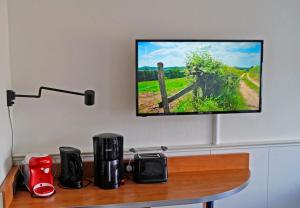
[(77, 172)]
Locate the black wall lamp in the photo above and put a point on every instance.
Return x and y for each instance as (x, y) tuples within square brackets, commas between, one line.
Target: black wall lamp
[(89, 95)]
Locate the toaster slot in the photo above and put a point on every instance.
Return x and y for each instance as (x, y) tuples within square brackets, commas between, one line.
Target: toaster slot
[(149, 155)]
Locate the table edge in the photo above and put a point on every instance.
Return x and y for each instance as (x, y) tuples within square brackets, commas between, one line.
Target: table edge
[(174, 202)]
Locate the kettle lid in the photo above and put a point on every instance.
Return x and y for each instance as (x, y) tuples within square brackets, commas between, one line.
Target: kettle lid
[(69, 149)]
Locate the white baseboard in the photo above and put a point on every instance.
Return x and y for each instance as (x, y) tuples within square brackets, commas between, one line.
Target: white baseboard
[(184, 149)]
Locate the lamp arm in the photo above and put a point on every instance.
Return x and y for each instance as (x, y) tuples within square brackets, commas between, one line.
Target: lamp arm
[(51, 89), (89, 95)]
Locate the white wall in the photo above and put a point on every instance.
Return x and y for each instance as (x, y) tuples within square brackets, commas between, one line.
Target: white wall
[(5, 81), (76, 45), (277, 22)]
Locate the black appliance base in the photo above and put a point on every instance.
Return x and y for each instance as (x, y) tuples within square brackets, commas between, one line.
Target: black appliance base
[(72, 185), (108, 187)]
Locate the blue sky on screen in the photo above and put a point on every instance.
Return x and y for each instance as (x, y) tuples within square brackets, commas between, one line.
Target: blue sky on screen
[(238, 54)]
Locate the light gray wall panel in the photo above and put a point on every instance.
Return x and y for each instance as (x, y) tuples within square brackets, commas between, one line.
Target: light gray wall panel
[(284, 177), (255, 194)]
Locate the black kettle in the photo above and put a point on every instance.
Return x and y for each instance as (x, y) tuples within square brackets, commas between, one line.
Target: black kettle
[(71, 168)]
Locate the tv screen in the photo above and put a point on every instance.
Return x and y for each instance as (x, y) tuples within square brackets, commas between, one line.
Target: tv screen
[(176, 77)]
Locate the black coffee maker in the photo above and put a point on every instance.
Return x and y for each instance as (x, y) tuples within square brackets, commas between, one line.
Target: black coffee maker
[(108, 160), (71, 168)]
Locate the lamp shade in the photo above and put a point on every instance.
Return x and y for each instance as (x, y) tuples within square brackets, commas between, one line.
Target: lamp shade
[(89, 97)]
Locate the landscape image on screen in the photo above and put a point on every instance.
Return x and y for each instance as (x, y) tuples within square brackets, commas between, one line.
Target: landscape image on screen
[(198, 77)]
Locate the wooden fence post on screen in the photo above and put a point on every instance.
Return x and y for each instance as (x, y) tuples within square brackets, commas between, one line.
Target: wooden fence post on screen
[(162, 87)]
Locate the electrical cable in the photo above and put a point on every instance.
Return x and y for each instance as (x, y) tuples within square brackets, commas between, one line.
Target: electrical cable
[(12, 132), (129, 166), (12, 142), (21, 171), (54, 170)]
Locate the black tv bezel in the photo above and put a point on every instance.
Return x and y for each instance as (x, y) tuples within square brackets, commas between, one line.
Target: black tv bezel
[(196, 113)]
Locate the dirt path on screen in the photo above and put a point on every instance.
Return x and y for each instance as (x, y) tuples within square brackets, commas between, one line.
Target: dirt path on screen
[(250, 96), (253, 81)]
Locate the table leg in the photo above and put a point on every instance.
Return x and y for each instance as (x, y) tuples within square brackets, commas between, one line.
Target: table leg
[(209, 204)]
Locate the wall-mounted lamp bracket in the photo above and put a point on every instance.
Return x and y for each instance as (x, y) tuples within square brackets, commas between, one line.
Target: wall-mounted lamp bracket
[(89, 95)]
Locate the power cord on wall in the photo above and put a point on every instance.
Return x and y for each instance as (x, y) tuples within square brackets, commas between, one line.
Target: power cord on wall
[(12, 143), (12, 132)]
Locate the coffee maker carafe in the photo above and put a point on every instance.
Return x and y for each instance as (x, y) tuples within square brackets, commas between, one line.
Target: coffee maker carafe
[(108, 160)]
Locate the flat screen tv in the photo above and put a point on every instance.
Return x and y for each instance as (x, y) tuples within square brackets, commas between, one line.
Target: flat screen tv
[(179, 77)]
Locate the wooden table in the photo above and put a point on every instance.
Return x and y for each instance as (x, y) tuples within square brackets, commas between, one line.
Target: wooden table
[(192, 179)]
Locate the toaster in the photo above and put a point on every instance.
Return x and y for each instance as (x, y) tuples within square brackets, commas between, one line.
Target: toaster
[(150, 168)]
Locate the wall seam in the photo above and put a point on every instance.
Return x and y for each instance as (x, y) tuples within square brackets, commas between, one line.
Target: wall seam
[(268, 176)]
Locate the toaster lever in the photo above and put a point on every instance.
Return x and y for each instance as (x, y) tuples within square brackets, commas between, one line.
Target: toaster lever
[(132, 150), (164, 148)]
